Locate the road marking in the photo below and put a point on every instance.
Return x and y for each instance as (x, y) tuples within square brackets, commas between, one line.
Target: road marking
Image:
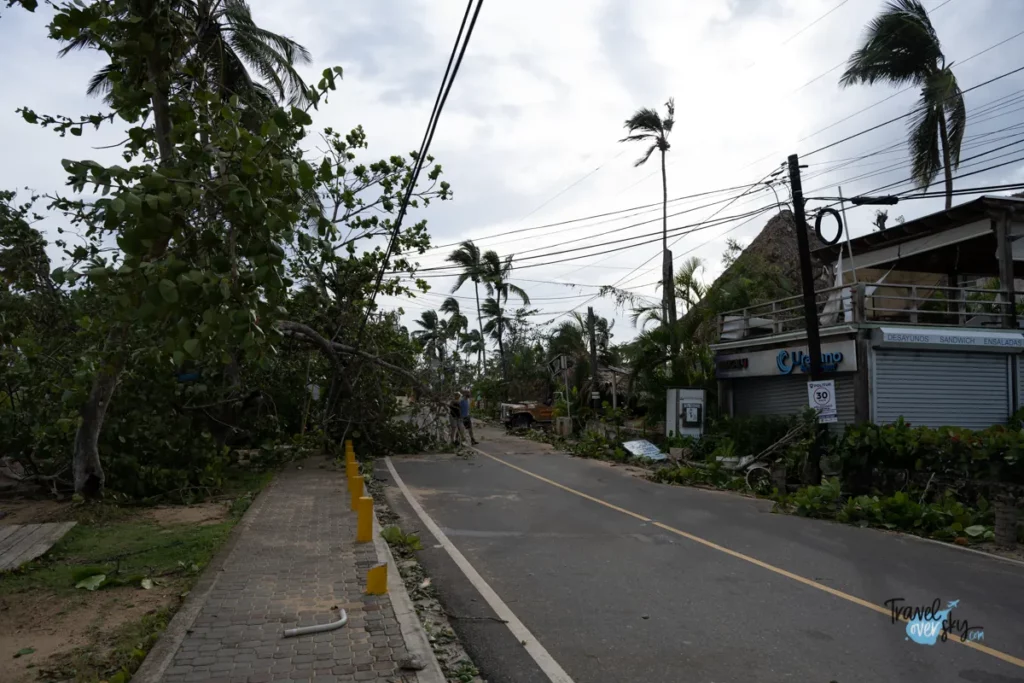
[(544, 660), (1010, 659)]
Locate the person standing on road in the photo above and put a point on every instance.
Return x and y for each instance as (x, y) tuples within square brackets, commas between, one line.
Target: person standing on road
[(467, 421), (455, 433)]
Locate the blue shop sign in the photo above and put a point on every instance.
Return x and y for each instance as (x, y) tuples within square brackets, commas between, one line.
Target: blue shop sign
[(801, 360)]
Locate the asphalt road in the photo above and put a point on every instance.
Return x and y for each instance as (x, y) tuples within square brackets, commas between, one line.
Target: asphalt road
[(712, 587)]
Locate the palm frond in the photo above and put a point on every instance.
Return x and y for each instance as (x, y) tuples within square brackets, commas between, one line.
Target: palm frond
[(646, 120), (647, 155), (520, 292), (956, 115), (925, 150), (900, 47)]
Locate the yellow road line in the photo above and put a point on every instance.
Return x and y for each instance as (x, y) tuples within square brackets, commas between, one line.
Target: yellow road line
[(1010, 659)]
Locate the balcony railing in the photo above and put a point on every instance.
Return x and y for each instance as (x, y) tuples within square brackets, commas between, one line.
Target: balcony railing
[(881, 303)]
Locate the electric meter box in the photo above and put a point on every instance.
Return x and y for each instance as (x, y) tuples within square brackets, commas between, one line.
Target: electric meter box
[(684, 414)]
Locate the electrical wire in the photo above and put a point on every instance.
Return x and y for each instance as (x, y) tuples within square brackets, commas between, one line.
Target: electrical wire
[(656, 205), (910, 113), (428, 137)]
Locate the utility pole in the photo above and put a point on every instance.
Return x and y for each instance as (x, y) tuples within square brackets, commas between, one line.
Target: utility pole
[(812, 472), (593, 357)]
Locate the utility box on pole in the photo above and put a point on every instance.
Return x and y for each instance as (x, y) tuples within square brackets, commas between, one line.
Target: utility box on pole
[(684, 412)]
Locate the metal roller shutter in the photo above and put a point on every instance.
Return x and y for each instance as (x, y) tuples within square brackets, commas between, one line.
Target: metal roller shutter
[(787, 395), (1019, 363), (941, 388)]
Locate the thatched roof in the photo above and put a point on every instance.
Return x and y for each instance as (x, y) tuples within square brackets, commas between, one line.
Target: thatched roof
[(776, 245)]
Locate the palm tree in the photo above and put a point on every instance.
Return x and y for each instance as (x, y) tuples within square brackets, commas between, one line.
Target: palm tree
[(495, 326), (431, 335), (456, 322), (902, 48), (496, 274), (647, 126), (468, 256), (472, 343), (226, 40), (688, 286)]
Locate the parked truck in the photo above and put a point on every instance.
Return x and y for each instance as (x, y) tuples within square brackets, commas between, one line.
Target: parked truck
[(527, 414)]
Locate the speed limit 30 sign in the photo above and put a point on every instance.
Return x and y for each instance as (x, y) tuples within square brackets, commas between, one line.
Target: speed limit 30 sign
[(822, 397)]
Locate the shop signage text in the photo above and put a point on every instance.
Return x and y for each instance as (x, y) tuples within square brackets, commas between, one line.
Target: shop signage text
[(836, 356), (994, 340), (800, 359)]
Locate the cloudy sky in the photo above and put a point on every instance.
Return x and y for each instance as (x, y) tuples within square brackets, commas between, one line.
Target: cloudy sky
[(530, 132)]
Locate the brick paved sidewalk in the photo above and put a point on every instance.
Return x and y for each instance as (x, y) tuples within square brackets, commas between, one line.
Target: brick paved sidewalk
[(294, 562)]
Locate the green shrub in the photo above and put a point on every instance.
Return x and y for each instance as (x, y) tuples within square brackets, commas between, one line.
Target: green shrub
[(817, 501)]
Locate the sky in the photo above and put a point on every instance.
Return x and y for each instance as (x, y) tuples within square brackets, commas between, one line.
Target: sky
[(530, 132)]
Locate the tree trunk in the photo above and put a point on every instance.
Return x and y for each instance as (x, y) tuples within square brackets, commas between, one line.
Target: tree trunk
[(666, 272), (480, 325), (88, 471), (501, 350), (947, 166)]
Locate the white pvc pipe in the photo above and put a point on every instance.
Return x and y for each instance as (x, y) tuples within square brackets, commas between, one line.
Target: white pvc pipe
[(320, 628)]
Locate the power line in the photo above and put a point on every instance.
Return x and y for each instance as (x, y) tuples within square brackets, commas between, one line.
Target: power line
[(843, 2), (428, 137), (586, 218), (910, 113), (680, 230)]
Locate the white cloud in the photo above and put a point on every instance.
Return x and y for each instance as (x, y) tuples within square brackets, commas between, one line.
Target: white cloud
[(540, 101)]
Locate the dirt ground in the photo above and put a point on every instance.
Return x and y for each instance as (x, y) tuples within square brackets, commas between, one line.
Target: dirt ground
[(201, 514), (29, 511), (52, 624)]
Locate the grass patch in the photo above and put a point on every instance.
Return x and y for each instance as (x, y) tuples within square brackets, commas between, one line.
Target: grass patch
[(120, 550)]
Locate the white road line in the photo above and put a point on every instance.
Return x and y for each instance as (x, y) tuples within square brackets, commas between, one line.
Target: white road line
[(544, 660)]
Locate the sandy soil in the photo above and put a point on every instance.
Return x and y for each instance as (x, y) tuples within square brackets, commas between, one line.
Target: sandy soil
[(29, 511), (201, 513), (53, 624)]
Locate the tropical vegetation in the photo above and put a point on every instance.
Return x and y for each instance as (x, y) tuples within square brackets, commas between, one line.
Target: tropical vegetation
[(901, 48)]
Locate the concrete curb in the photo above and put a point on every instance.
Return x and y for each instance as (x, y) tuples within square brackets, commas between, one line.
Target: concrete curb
[(415, 637), (162, 654)]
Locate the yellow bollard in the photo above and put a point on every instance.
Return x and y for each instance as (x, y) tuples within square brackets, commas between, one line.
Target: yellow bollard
[(364, 523), (348, 446), (377, 580), (355, 486), (350, 456), (351, 470)]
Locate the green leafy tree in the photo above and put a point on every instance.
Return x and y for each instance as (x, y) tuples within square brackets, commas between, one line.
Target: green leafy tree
[(203, 262), (901, 47), (648, 127), (469, 258)]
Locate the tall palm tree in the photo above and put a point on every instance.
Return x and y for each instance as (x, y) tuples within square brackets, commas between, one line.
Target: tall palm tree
[(471, 342), (469, 258), (495, 326), (228, 43), (496, 275), (456, 322), (647, 126), (431, 335), (902, 48)]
